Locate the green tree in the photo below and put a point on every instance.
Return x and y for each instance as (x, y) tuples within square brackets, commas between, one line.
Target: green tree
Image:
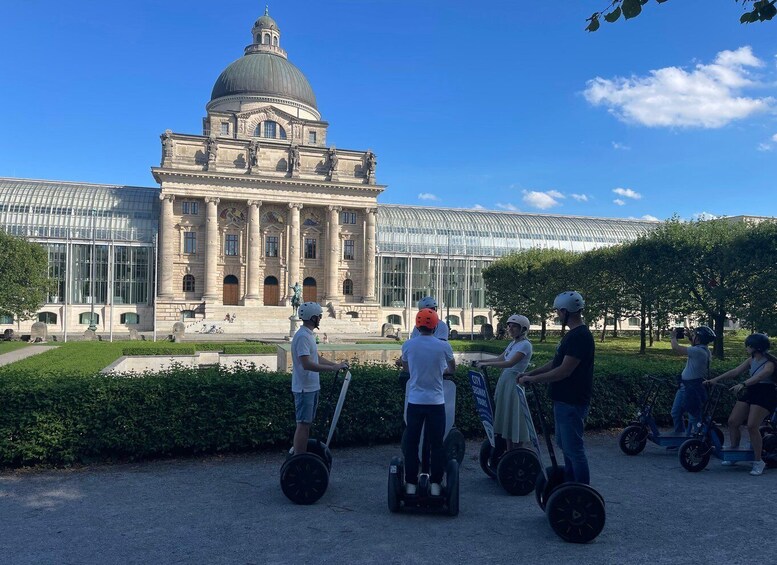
[(756, 11), (24, 281), (602, 287)]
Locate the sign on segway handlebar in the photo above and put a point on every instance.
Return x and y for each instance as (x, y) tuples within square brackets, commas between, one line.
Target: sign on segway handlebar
[(483, 403)]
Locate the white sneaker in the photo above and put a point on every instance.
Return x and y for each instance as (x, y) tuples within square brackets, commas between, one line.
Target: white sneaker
[(410, 488), (728, 463), (758, 468), (435, 489)]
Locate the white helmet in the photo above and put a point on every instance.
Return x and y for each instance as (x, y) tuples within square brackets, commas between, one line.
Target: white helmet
[(309, 309), (521, 321), (427, 302), (570, 300)]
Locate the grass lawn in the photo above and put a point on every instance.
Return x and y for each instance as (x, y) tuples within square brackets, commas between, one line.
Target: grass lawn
[(6, 346)]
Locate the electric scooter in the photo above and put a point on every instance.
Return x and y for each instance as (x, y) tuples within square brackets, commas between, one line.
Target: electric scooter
[(634, 437), (575, 511), (305, 476), (448, 500), (516, 469)]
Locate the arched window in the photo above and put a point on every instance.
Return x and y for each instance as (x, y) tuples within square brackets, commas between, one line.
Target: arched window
[(395, 319), (348, 287), (130, 318), (453, 320), (266, 39), (187, 314), (352, 315), (275, 41), (6, 319), (88, 318), (47, 317), (188, 283), (480, 320), (270, 130)]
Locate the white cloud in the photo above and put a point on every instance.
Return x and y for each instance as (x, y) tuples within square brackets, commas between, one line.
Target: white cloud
[(580, 197), (508, 206), (710, 96), (774, 138), (627, 193), (427, 196), (764, 147), (650, 218), (705, 216), (619, 202), (542, 200), (478, 207), (621, 146)]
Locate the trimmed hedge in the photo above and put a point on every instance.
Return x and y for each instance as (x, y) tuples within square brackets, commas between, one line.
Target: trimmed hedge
[(169, 349), (65, 419)]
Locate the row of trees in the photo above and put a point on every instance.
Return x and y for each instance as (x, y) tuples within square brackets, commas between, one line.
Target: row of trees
[(712, 270), (24, 281)]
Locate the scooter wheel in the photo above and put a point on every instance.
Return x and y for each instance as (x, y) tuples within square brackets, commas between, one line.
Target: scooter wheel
[(452, 487), (485, 459), (694, 454), (316, 447), (576, 512), (632, 440), (455, 446), (396, 470), (518, 470), (543, 487), (304, 478)]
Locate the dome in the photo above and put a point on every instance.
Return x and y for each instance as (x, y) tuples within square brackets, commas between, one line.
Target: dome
[(264, 73), (266, 22)]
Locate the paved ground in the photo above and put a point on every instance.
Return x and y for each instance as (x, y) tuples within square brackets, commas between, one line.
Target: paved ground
[(19, 354), (231, 510)]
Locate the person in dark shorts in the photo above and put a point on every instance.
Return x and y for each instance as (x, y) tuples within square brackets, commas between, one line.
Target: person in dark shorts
[(756, 397), (571, 377)]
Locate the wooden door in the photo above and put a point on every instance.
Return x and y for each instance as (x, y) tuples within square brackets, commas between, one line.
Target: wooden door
[(309, 290), (271, 292), (231, 291)]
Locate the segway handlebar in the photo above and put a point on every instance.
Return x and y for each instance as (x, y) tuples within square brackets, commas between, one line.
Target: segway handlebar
[(340, 402)]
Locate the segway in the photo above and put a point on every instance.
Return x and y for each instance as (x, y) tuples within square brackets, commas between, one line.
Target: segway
[(448, 500), (575, 511), (634, 437), (516, 470), (305, 476), (695, 453)]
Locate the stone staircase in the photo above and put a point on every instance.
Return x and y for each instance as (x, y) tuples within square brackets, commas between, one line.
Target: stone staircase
[(266, 320)]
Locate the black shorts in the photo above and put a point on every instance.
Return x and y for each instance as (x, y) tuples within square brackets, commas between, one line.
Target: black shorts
[(761, 394)]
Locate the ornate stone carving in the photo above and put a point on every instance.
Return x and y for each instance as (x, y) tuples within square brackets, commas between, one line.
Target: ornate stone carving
[(370, 163), (332, 161), (294, 160), (253, 155), (211, 151), (167, 146), (170, 197)]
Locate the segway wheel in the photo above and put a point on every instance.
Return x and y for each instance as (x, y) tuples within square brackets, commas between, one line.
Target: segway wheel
[(632, 440), (543, 487), (694, 454), (455, 446), (485, 459), (769, 452), (576, 512), (395, 484), (304, 478), (518, 470), (318, 447), (452, 487)]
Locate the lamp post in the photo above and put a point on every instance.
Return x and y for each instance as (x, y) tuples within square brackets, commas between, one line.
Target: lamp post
[(92, 325)]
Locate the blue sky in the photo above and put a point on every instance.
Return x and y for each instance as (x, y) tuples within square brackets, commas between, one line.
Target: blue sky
[(501, 105)]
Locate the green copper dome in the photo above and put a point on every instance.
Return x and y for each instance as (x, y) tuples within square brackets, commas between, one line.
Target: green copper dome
[(264, 74)]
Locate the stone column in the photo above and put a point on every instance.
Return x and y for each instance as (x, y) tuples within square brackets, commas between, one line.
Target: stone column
[(369, 257), (211, 248), (333, 257), (167, 243), (294, 245), (254, 249)]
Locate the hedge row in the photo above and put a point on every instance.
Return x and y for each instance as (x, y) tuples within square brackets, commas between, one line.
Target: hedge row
[(192, 348), (60, 420)]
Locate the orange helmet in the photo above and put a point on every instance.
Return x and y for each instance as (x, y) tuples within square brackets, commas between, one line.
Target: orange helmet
[(427, 318)]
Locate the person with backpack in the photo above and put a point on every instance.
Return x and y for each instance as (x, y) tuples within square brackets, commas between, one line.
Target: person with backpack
[(691, 394), (756, 397)]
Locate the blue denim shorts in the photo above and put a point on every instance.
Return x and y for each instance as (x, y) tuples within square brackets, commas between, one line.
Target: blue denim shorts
[(305, 404)]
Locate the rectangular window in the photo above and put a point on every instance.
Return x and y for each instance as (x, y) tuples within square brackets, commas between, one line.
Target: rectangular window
[(190, 242), (190, 208), (224, 128), (271, 246), (269, 129), (348, 217), (349, 250), (312, 138), (230, 245), (310, 248)]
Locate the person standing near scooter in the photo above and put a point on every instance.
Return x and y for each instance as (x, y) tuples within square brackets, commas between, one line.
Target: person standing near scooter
[(442, 329), (509, 421), (756, 397), (426, 358), (571, 377), (691, 394), (306, 364)]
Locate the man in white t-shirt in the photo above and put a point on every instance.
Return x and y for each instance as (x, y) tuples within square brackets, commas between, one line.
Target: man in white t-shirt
[(306, 364), (442, 329), (426, 358)]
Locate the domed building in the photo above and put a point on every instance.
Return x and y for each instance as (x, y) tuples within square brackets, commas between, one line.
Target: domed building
[(258, 208)]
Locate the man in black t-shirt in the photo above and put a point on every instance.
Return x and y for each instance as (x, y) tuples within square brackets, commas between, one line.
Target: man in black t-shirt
[(571, 377)]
